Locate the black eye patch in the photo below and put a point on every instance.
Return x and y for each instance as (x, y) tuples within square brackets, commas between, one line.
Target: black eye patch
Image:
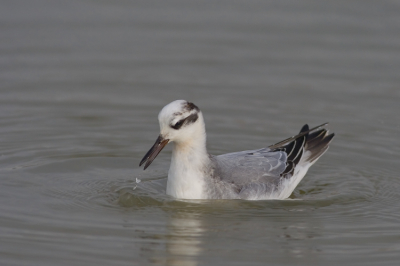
[(186, 121)]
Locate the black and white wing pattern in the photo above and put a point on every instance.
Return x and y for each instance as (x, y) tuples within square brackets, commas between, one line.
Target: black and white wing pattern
[(275, 171)]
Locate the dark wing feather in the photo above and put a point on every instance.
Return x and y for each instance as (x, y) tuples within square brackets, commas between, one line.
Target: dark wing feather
[(314, 142), (294, 150), (288, 140), (318, 144)]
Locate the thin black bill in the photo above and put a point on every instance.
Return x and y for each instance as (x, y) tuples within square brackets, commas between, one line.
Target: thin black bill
[(154, 151)]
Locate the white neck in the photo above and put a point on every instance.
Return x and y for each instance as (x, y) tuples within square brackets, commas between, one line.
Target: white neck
[(188, 170)]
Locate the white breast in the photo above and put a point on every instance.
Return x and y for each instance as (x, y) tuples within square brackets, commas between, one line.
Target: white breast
[(187, 173)]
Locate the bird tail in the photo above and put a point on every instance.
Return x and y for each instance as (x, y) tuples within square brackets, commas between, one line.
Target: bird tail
[(317, 144)]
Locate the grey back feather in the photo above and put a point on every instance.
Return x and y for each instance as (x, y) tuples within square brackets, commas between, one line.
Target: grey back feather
[(259, 173), (248, 172)]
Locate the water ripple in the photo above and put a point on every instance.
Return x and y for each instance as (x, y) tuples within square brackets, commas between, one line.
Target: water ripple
[(338, 194)]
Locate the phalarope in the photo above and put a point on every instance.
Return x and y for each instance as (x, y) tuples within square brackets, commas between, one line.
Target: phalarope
[(267, 173)]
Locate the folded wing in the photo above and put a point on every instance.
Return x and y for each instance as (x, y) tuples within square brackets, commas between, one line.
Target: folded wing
[(275, 171)]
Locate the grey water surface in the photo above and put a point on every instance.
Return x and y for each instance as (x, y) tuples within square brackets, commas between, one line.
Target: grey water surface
[(82, 82)]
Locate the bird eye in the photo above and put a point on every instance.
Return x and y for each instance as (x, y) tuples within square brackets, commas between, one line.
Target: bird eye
[(178, 124)]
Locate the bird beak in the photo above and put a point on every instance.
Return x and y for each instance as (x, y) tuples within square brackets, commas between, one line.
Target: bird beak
[(154, 151)]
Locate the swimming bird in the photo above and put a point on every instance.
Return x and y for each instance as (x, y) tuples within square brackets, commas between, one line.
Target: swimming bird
[(272, 172)]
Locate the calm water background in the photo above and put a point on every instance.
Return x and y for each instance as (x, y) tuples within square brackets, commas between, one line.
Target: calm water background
[(82, 82)]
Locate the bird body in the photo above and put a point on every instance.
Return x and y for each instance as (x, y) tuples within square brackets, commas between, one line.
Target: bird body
[(267, 173)]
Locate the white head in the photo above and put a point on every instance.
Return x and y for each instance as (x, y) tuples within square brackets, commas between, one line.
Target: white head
[(180, 121)]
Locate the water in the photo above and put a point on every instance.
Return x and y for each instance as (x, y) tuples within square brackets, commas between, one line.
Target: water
[(82, 83)]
